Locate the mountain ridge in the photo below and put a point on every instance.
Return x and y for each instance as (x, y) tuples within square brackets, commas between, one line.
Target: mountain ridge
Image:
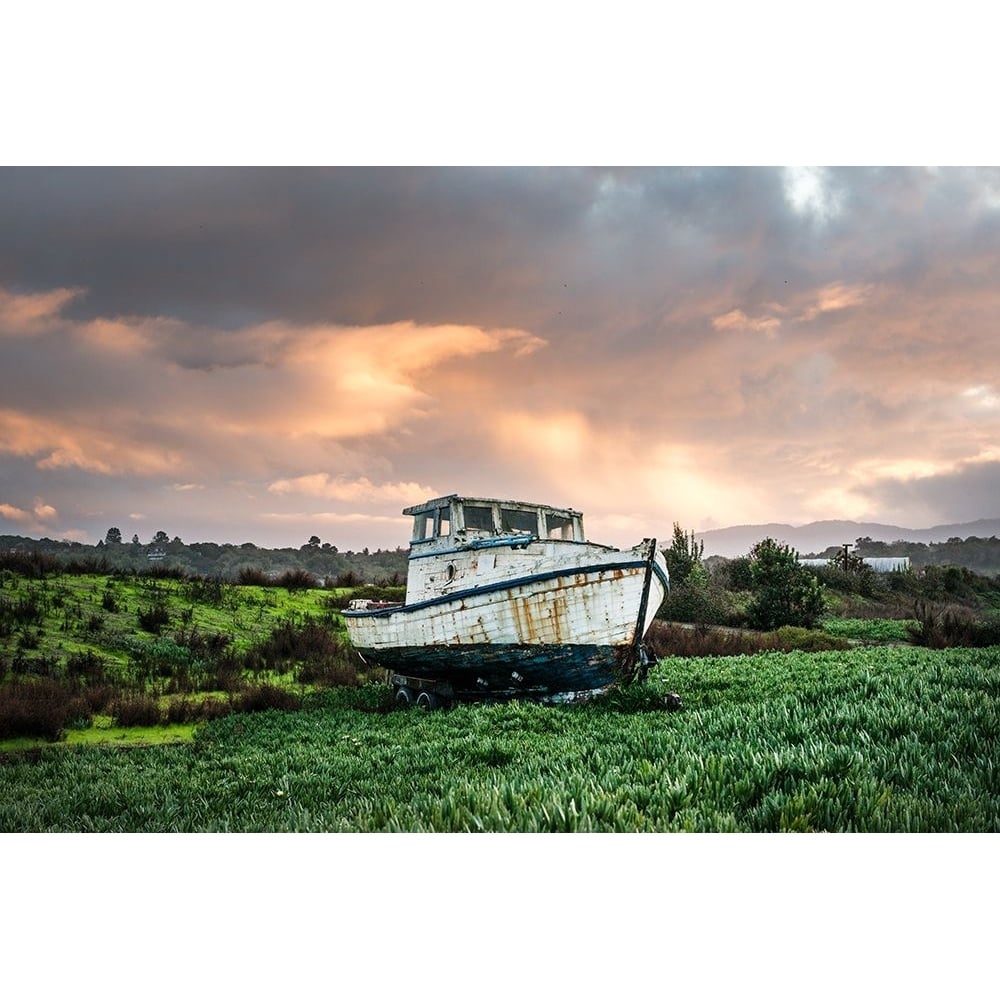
[(816, 536)]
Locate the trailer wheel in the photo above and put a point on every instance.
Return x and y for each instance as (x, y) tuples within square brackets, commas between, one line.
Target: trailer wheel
[(404, 697), (428, 701)]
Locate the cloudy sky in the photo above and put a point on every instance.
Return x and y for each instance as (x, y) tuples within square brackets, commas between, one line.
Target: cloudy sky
[(266, 354)]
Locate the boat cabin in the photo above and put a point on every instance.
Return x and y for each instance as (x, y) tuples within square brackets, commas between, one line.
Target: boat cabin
[(454, 521)]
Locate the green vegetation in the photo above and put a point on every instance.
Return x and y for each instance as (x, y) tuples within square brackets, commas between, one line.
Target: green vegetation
[(684, 555), (981, 555), (155, 649), (784, 592), (870, 630), (162, 701), (876, 739)]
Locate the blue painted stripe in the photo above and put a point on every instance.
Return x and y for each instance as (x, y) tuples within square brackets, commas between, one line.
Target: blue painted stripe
[(492, 588), (514, 541)]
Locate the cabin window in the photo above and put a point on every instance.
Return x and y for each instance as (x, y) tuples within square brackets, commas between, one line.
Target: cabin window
[(479, 518), (423, 526), (559, 526), (444, 521), (518, 522)]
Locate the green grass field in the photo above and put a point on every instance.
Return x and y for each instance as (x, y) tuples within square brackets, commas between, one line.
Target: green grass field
[(870, 739), (67, 614)]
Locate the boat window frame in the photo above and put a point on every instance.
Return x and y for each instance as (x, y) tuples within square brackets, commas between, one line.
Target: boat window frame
[(427, 524), (491, 507), (567, 531), (527, 512)]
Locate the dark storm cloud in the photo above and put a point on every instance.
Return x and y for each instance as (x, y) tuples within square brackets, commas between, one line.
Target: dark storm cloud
[(507, 247), (968, 494)]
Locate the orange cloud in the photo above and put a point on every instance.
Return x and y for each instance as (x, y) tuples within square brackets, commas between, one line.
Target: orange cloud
[(352, 491), (836, 296), (23, 315), (37, 520), (64, 443), (737, 319)]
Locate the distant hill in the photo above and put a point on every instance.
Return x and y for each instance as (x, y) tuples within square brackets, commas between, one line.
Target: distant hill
[(820, 535)]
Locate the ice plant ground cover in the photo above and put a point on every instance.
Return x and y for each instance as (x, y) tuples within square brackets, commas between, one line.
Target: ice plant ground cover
[(868, 739)]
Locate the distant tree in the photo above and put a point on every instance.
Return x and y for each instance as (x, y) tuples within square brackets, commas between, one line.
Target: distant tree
[(683, 555), (113, 537), (784, 591), (135, 539), (738, 572), (313, 542), (161, 538)]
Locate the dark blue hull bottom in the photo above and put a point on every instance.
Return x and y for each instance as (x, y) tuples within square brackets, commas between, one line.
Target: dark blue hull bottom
[(509, 670)]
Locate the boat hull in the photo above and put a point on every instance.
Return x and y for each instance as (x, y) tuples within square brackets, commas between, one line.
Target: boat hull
[(573, 623), (507, 670)]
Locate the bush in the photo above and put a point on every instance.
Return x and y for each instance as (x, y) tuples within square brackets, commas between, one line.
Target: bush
[(330, 671), (265, 697), (87, 665), (98, 697), (135, 710), (297, 579), (697, 602), (153, 618), (209, 590), (251, 576), (943, 627), (676, 640), (784, 592), (32, 564), (42, 708), (663, 640)]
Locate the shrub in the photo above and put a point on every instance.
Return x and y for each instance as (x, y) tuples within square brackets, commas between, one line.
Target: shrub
[(153, 618), (698, 602), (251, 576), (784, 592), (32, 564), (42, 708), (330, 671), (297, 579), (87, 665), (135, 710), (663, 640), (85, 566), (675, 640), (266, 696), (943, 627), (206, 590), (98, 697)]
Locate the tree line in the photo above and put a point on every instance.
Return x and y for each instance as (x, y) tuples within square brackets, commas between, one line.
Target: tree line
[(214, 559)]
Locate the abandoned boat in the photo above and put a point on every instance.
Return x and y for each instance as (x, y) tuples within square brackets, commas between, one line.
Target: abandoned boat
[(508, 599)]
